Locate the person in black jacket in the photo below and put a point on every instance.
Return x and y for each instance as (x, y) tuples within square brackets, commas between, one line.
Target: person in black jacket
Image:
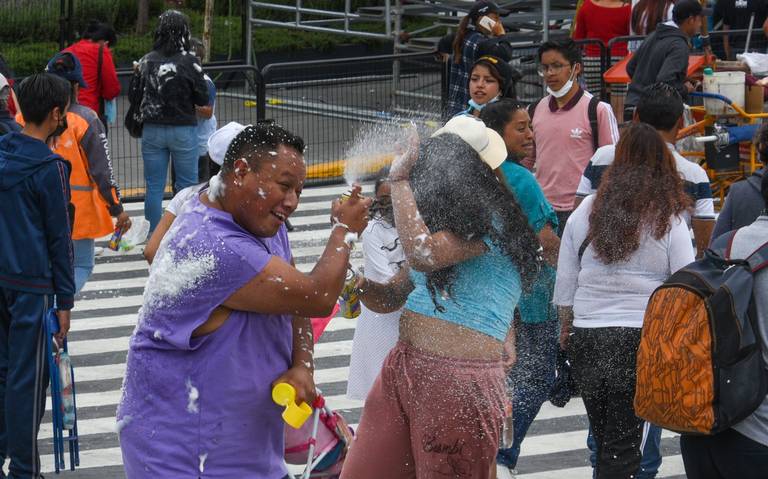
[(169, 84), (36, 269), (7, 123), (663, 56), (744, 202)]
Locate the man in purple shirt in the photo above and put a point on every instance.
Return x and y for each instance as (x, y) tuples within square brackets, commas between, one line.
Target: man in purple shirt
[(225, 318)]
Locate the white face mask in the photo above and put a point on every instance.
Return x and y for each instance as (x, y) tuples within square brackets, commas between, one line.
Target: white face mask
[(565, 88)]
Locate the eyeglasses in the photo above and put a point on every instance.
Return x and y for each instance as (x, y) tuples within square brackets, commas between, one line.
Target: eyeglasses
[(554, 68)]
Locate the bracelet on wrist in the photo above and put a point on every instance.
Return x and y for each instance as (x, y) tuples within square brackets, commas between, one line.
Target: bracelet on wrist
[(350, 239), (339, 224)]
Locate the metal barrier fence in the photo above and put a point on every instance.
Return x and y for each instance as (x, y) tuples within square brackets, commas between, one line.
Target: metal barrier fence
[(531, 87), (329, 102), (236, 100)]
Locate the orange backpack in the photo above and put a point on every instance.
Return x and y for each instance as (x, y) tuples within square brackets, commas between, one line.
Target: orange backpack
[(699, 366)]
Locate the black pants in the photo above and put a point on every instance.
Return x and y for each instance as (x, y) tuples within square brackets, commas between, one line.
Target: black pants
[(23, 379), (604, 371), (724, 456), (204, 168), (562, 217), (629, 113)]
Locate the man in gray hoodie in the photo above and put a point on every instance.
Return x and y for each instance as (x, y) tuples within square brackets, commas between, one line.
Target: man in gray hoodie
[(663, 56)]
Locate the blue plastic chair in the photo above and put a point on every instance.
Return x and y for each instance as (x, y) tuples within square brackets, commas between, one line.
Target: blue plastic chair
[(51, 328)]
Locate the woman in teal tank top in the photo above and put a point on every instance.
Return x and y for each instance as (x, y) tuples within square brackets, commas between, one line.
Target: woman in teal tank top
[(536, 326), (437, 407)]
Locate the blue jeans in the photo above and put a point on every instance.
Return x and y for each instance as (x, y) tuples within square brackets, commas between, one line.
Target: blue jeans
[(531, 379), (84, 250), (159, 143), (649, 465)]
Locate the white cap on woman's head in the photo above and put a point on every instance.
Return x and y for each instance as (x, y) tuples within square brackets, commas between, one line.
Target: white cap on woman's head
[(485, 141), (3, 82), (219, 141)]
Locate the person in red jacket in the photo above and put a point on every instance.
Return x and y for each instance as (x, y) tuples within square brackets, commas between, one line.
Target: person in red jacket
[(92, 51), (602, 20)]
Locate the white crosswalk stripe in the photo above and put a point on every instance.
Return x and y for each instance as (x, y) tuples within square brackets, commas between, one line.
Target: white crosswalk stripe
[(106, 313)]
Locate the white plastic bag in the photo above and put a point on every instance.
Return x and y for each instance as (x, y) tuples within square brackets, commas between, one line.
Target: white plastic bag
[(136, 235), (757, 62)]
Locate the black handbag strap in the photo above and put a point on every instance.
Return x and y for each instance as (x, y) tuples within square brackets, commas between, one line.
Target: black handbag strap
[(99, 64), (584, 246)]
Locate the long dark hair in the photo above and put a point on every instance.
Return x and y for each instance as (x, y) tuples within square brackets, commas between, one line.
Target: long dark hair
[(172, 33), (496, 115), (455, 191), (97, 31), (761, 143), (654, 13), (640, 192), (466, 25)]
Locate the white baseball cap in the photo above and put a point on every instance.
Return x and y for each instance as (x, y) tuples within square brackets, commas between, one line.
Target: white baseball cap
[(485, 141), (3, 82), (219, 141)]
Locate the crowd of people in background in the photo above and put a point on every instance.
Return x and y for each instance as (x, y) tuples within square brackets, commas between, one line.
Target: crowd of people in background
[(513, 241)]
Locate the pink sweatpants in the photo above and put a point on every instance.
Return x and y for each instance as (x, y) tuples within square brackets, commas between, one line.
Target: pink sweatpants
[(428, 417)]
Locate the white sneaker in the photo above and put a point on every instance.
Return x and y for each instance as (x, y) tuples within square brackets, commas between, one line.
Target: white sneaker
[(503, 472), (98, 251)]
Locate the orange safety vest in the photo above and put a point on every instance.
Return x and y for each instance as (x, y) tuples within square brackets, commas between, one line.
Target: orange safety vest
[(92, 216)]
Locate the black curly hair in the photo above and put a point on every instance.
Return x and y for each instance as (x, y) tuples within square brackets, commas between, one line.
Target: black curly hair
[(455, 191), (172, 34), (761, 142)]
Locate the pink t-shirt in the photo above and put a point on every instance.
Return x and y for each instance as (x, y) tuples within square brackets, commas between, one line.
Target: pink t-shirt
[(564, 145)]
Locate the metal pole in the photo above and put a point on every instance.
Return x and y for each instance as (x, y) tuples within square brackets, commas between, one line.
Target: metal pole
[(298, 12), (396, 43), (347, 9), (545, 20), (248, 37), (388, 17), (749, 34)]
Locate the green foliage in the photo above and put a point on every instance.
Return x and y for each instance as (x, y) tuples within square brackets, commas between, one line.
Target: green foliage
[(30, 32), (29, 21), (29, 57)]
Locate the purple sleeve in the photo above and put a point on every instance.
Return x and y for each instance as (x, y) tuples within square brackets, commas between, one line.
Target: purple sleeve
[(215, 268)]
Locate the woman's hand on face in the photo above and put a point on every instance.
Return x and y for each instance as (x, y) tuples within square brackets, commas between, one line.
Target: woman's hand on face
[(403, 163), (300, 377), (353, 211)]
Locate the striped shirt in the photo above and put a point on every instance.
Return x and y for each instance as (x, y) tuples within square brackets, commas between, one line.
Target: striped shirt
[(695, 179)]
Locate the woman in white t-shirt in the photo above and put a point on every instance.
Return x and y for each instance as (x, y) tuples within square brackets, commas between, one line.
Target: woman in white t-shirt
[(377, 331), (618, 246)]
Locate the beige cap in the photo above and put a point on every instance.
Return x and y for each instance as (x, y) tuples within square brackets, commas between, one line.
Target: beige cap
[(485, 141)]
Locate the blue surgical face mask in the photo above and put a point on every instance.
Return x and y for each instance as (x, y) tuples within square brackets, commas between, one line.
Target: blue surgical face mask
[(476, 106)]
